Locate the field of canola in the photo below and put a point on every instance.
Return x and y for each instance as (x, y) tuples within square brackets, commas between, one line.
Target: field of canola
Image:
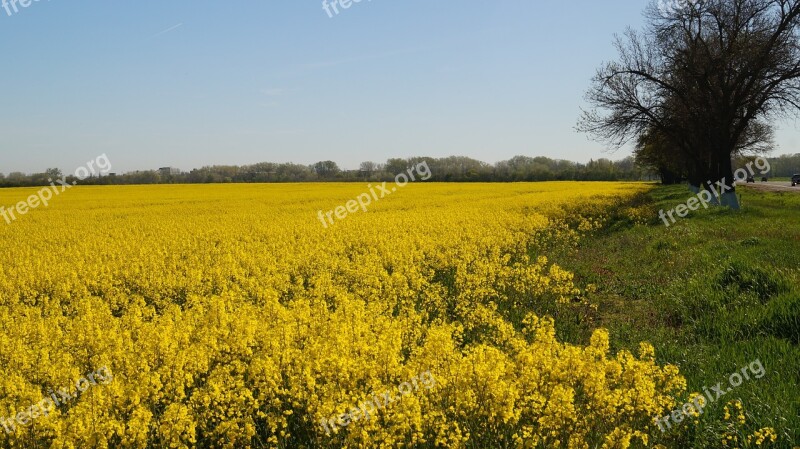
[(230, 317)]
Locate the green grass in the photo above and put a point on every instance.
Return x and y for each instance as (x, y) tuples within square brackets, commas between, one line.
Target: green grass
[(713, 292)]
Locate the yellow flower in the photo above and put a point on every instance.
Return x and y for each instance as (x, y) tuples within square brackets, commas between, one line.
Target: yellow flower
[(231, 315)]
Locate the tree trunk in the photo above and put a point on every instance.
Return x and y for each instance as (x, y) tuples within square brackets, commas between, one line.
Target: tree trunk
[(723, 181), (669, 177), (729, 198)]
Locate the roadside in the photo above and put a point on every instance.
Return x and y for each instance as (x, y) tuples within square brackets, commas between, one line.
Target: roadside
[(772, 186), (711, 293)]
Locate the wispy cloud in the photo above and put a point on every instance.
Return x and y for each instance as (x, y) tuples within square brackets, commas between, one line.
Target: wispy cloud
[(174, 27)]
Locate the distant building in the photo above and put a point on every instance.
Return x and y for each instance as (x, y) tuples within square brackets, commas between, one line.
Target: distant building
[(169, 171)]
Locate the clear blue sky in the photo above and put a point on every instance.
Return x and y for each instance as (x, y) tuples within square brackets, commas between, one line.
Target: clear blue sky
[(190, 83)]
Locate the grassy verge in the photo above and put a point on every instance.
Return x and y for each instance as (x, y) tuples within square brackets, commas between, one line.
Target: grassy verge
[(713, 293)]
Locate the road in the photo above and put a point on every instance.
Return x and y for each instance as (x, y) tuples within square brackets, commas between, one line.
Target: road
[(779, 186)]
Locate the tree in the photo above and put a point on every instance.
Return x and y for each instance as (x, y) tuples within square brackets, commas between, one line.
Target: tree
[(367, 168), (705, 77), (396, 165), (653, 152), (53, 173), (17, 178), (326, 169), (290, 172)]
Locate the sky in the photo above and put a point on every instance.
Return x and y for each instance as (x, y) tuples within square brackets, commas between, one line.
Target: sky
[(191, 83)]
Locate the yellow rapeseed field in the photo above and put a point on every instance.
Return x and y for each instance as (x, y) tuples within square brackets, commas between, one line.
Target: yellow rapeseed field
[(231, 317)]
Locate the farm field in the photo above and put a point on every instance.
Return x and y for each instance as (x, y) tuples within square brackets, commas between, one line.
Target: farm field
[(446, 315)]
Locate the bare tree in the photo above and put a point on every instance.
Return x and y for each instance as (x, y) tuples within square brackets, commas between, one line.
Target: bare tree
[(707, 77)]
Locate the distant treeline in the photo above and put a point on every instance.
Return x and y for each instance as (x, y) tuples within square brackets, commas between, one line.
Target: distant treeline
[(448, 169)]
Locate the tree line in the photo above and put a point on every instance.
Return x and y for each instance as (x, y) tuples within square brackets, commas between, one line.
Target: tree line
[(448, 169)]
